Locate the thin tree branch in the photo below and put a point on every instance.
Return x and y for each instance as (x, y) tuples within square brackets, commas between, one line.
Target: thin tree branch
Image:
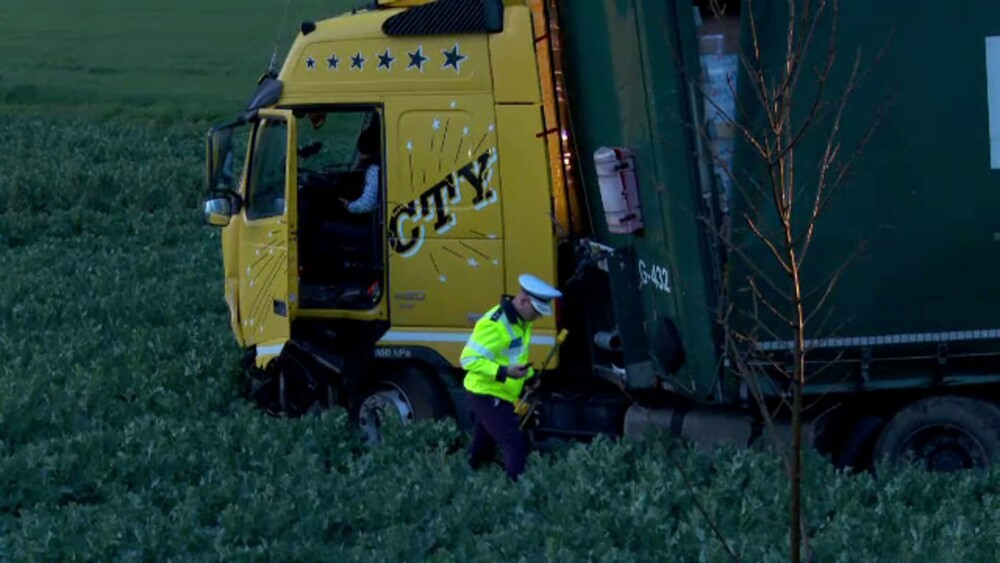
[(822, 79), (752, 379), (756, 72), (751, 264), (720, 162), (774, 310), (774, 250), (823, 199), (834, 278), (691, 81), (704, 513)]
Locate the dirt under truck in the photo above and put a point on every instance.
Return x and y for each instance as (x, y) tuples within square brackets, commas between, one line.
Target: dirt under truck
[(552, 138)]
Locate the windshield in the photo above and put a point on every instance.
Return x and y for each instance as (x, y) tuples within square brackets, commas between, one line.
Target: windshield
[(329, 141), (227, 149)]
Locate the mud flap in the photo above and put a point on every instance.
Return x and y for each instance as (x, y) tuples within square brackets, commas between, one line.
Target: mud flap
[(267, 351)]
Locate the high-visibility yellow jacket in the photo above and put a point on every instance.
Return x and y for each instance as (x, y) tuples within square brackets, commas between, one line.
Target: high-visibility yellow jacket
[(500, 339)]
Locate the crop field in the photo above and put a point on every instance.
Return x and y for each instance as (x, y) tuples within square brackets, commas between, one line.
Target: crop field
[(123, 434), (151, 58)]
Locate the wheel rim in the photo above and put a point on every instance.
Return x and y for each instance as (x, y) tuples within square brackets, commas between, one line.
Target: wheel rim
[(945, 447), (387, 402)]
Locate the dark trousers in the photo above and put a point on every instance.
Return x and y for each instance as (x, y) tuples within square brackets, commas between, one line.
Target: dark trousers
[(496, 424)]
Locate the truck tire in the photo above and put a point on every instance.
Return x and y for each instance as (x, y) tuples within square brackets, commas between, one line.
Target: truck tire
[(945, 433), (406, 393)]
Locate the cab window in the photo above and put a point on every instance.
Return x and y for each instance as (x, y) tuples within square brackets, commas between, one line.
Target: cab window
[(266, 180)]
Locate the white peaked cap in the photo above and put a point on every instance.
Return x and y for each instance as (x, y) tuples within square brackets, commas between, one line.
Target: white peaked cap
[(541, 293)]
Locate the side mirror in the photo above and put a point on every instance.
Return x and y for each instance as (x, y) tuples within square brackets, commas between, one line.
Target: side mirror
[(218, 210), (222, 173), (220, 165)]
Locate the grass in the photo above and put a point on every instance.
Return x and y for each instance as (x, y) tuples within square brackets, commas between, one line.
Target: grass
[(149, 58), (122, 434)]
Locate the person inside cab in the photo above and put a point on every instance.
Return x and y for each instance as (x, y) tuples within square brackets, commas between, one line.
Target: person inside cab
[(366, 157), (354, 233)]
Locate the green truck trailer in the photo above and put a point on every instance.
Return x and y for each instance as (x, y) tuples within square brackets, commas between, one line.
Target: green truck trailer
[(908, 359)]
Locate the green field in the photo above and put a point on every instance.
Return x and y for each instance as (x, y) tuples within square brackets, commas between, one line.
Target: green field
[(153, 57), (122, 432)]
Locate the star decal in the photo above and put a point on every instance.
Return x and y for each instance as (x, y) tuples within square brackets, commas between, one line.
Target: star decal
[(332, 62), (417, 59), (436, 124), (385, 60), (453, 59), (310, 63), (358, 61), (473, 263)]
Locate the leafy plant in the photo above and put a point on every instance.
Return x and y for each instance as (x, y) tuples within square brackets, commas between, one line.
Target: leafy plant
[(122, 435)]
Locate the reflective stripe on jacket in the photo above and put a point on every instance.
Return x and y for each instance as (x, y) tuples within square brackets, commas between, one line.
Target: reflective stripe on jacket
[(500, 339)]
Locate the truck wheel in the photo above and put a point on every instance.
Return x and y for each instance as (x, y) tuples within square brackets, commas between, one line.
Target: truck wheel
[(286, 387), (943, 434), (407, 394)]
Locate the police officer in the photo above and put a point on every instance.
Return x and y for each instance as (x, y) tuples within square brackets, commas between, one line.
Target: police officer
[(496, 361)]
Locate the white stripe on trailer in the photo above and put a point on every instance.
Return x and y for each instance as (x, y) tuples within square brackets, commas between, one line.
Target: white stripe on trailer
[(429, 336), (885, 339), (993, 97), (404, 336)]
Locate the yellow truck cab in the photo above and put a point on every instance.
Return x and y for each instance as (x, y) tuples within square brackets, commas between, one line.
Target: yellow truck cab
[(398, 178)]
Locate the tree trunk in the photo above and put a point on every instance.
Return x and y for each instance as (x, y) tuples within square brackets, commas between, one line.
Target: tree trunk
[(797, 386)]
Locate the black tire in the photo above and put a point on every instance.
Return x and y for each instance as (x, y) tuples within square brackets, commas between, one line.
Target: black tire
[(944, 433), (423, 398)]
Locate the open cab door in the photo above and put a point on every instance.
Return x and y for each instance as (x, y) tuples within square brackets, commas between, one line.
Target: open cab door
[(268, 286), (226, 152)]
